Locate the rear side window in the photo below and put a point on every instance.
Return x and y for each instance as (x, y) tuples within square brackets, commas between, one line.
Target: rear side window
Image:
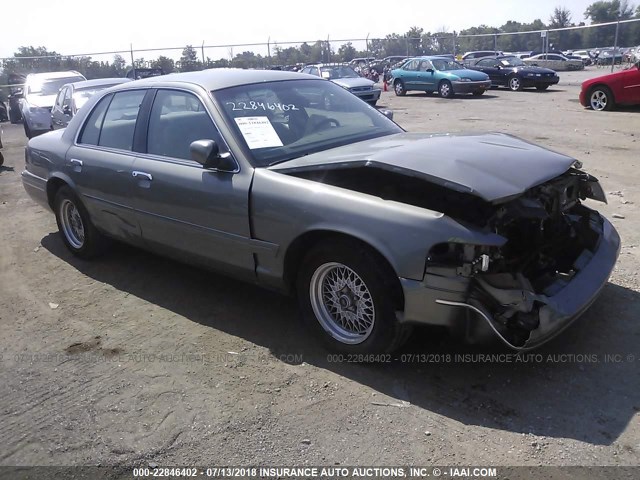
[(120, 120), (91, 131)]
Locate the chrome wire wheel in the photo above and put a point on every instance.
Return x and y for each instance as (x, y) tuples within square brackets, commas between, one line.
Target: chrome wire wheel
[(72, 225), (342, 303), (599, 100)]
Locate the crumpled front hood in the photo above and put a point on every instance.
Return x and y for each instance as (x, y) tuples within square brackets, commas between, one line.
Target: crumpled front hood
[(493, 166)]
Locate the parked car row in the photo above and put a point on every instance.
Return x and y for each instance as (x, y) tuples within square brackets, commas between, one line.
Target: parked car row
[(50, 100)]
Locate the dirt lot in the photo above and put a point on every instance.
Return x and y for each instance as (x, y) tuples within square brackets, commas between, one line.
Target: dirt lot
[(134, 359)]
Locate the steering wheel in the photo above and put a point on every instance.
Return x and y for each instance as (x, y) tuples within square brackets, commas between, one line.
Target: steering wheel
[(322, 123)]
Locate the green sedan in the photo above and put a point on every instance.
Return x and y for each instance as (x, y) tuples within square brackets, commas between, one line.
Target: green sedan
[(438, 74)]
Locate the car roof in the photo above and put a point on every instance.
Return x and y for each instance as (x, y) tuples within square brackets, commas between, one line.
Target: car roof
[(220, 78), (99, 82)]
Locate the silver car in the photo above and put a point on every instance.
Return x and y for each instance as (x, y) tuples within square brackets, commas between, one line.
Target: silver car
[(348, 78), (555, 61), (374, 229), (40, 92), (72, 96)]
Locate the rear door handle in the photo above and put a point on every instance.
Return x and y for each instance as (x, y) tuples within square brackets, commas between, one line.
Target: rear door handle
[(76, 164), (140, 175)]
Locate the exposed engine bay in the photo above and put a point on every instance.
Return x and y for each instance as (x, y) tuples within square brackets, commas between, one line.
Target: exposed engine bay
[(550, 236)]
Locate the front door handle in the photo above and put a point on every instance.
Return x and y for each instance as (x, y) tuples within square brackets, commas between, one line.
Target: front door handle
[(140, 175)]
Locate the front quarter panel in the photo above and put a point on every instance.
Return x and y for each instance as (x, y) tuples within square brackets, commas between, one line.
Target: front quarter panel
[(285, 207)]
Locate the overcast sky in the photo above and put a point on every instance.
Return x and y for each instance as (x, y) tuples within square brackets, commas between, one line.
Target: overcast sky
[(71, 27)]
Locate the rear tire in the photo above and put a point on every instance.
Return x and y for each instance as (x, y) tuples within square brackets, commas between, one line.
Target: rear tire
[(348, 300), (79, 234), (542, 87), (477, 93)]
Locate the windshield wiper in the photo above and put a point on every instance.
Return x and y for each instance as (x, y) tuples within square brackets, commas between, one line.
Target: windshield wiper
[(287, 159)]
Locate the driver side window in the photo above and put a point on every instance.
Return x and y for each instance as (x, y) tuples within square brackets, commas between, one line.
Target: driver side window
[(178, 119)]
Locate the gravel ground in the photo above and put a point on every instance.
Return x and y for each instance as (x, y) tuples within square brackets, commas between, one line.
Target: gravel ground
[(134, 359)]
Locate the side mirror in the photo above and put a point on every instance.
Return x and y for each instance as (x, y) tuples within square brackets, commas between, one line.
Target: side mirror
[(430, 70), (207, 154), (66, 109)]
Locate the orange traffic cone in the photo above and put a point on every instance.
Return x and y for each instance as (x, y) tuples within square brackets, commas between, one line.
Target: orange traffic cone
[(384, 85)]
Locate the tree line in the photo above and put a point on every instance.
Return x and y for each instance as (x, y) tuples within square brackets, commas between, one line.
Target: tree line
[(413, 42)]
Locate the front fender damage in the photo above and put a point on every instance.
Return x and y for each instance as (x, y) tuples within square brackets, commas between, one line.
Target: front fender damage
[(558, 256)]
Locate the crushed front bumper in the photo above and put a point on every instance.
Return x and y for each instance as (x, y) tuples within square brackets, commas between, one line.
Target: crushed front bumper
[(441, 299)]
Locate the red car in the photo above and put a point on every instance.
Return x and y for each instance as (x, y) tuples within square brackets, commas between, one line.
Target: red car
[(619, 88)]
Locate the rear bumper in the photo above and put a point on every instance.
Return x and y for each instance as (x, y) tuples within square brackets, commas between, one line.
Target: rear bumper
[(441, 299), (36, 187)]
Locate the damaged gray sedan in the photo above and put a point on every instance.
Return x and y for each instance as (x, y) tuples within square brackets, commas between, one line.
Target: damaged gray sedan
[(253, 174)]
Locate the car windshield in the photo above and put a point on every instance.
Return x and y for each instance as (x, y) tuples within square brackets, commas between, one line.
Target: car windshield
[(280, 121), (50, 86), (512, 62), (443, 64), (340, 72), (80, 96)]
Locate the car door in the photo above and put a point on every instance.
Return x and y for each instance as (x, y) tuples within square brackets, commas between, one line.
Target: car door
[(490, 67), (410, 75), (426, 76), (184, 209), (59, 116), (627, 86), (100, 163)]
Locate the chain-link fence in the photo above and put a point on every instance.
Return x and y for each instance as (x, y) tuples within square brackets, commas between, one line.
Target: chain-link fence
[(273, 53)]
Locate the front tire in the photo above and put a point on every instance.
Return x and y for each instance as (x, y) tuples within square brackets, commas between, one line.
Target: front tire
[(348, 300), (445, 89), (514, 83), (79, 234), (601, 98), (399, 89)]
